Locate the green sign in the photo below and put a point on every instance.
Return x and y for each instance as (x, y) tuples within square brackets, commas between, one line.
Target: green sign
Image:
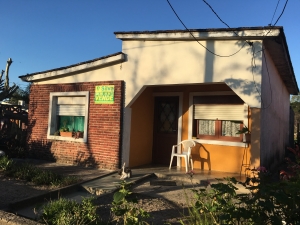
[(105, 94)]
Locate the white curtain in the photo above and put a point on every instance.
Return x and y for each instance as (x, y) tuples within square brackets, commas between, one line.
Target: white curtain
[(230, 129), (206, 127)]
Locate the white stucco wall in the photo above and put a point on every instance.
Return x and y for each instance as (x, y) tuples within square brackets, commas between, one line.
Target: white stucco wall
[(181, 62), (184, 62), (274, 115)]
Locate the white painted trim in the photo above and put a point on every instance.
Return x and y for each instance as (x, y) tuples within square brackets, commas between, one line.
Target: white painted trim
[(179, 130), (85, 66), (200, 35), (214, 142), (52, 115), (224, 143), (126, 136)]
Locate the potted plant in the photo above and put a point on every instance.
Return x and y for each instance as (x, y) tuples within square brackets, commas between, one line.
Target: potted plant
[(246, 134), (78, 134), (64, 131)]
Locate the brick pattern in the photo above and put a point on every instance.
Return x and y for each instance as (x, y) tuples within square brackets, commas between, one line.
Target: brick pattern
[(103, 147)]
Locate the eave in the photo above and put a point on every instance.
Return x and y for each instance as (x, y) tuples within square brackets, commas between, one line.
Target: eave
[(75, 68)]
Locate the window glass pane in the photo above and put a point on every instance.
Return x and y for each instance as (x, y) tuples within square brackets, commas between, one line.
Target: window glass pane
[(71, 123), (206, 127), (167, 118), (79, 123), (230, 128)]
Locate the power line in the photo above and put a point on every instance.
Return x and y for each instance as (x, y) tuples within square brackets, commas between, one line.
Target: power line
[(253, 64), (197, 40), (274, 12), (281, 13), (249, 43)]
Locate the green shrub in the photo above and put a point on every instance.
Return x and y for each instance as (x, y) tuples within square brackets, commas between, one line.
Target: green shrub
[(31, 173), (24, 171), (267, 202), (5, 163), (69, 212), (43, 177), (125, 209)]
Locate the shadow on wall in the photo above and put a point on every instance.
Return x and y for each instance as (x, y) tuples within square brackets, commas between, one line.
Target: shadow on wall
[(40, 149), (86, 159), (202, 155), (209, 62), (256, 137), (247, 87)]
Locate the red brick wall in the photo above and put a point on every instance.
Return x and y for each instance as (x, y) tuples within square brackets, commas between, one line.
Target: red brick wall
[(103, 147)]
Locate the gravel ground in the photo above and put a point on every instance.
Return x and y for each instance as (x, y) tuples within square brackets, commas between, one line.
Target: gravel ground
[(166, 204)]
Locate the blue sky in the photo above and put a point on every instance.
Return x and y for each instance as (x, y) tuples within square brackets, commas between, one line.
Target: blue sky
[(40, 35)]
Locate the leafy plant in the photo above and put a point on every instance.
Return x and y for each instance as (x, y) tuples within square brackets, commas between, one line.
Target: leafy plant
[(34, 174), (125, 208), (64, 128), (69, 212), (268, 202), (5, 163), (244, 130)]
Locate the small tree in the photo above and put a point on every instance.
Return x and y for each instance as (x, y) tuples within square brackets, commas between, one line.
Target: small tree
[(20, 94), (5, 90)]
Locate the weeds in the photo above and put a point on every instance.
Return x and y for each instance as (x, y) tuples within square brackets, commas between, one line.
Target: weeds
[(5, 163), (267, 202), (31, 173), (125, 208), (69, 212)]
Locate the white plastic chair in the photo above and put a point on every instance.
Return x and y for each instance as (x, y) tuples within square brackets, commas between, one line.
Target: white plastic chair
[(186, 147)]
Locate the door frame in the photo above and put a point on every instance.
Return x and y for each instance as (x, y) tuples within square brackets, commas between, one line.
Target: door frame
[(179, 130)]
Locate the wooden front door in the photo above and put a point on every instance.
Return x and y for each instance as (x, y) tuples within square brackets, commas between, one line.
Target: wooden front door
[(165, 129)]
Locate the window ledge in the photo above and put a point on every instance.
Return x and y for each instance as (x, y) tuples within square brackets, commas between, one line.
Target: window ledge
[(225, 143), (59, 138)]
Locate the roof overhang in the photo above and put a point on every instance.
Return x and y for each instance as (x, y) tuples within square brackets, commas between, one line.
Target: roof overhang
[(201, 34), (72, 69)]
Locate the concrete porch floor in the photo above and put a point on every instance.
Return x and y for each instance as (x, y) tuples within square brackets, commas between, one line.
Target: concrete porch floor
[(179, 174)]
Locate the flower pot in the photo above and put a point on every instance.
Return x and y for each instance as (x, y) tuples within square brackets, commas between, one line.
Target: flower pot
[(247, 138), (78, 134), (65, 133)]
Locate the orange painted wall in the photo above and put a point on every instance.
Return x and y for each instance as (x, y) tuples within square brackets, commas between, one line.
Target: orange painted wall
[(221, 158), (142, 129)]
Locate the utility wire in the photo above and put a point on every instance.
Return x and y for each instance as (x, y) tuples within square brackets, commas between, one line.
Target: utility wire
[(281, 12), (249, 43), (253, 64), (278, 17), (197, 40), (274, 12)]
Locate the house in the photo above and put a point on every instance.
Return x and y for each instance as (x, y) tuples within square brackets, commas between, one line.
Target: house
[(167, 86)]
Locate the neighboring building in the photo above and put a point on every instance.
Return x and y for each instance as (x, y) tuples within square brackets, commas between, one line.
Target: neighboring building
[(167, 88)]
